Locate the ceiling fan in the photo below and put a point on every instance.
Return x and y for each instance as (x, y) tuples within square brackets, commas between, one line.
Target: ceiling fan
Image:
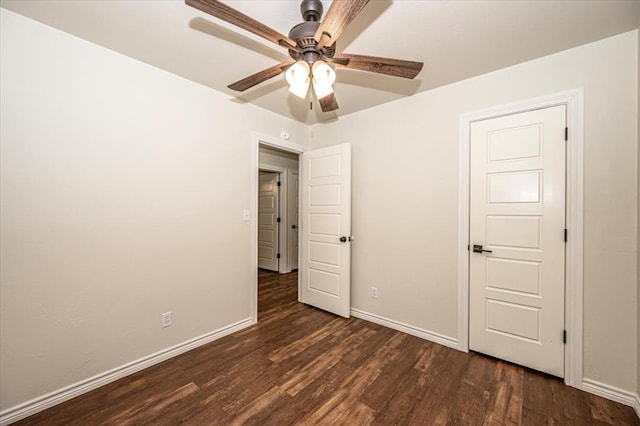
[(312, 48)]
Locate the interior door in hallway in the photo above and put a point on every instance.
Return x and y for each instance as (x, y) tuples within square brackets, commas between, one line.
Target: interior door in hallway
[(517, 229), (268, 221), (325, 231)]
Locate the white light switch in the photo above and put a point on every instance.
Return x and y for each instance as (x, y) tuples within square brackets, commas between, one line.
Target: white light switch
[(245, 215)]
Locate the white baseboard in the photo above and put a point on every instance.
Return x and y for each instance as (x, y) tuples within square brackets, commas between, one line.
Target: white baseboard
[(41, 403), (613, 393), (406, 328)]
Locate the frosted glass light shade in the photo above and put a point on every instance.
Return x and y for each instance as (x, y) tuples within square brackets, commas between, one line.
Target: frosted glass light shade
[(322, 90), (300, 89), (298, 78), (323, 78)]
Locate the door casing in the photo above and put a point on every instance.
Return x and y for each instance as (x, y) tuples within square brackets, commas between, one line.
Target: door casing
[(292, 235), (574, 101)]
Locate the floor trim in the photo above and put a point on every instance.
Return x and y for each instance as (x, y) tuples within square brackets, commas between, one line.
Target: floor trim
[(41, 403), (613, 393), (406, 328)]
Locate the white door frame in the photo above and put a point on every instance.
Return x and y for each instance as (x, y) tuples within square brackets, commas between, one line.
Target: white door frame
[(292, 220), (574, 101), (283, 266), (258, 139)]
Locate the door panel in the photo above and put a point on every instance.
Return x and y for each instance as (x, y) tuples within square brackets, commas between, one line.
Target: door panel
[(325, 260), (512, 319), (268, 221), (517, 212), (516, 232), (514, 275)]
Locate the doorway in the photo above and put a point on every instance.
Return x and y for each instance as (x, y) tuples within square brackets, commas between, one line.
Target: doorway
[(277, 209), (325, 245), (277, 225)]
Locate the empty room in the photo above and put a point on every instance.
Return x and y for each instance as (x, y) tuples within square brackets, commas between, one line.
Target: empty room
[(319, 212)]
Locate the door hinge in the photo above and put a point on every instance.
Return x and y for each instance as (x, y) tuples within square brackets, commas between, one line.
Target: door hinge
[(566, 236), (564, 336), (278, 256), (566, 133), (278, 220), (279, 183)]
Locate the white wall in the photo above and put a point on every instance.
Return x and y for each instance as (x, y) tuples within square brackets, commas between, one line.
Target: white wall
[(122, 195), (405, 159)]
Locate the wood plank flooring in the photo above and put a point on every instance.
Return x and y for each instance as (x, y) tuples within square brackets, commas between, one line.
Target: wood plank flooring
[(300, 365)]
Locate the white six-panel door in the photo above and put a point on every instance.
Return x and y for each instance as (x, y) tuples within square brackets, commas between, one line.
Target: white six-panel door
[(517, 214), (325, 206), (267, 221)]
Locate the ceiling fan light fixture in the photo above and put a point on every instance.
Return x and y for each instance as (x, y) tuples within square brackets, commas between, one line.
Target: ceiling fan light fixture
[(297, 76), (322, 90), (323, 74), (323, 78), (300, 89)]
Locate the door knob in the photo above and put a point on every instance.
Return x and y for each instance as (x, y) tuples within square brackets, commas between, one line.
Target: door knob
[(477, 248), (293, 226), (343, 239)]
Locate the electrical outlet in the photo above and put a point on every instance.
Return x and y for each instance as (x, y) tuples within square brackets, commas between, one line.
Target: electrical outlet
[(374, 292), (166, 319)]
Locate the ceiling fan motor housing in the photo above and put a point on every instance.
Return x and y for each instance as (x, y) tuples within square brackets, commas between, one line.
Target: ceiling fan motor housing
[(304, 33)]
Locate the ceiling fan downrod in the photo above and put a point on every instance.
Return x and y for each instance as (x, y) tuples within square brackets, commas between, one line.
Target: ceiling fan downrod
[(311, 10)]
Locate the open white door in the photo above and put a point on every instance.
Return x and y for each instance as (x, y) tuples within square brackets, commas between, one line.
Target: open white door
[(325, 231)]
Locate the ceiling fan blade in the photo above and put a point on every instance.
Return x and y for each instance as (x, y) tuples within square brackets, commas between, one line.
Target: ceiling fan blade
[(239, 19), (338, 61), (339, 15), (395, 67), (259, 77), (328, 103)]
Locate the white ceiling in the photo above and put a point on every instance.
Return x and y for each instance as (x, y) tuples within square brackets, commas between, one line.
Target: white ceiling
[(455, 40)]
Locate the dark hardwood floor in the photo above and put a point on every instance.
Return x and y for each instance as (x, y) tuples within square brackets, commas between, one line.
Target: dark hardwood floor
[(300, 365)]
